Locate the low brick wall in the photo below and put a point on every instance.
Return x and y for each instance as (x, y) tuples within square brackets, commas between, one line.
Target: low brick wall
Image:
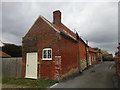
[(117, 64)]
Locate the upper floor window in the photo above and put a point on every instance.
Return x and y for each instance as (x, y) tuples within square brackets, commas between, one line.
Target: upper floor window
[(47, 54)]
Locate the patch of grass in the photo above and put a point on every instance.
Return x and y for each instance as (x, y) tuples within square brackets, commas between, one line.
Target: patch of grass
[(39, 83)]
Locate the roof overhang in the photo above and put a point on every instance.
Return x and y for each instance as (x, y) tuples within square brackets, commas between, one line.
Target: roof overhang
[(63, 34)]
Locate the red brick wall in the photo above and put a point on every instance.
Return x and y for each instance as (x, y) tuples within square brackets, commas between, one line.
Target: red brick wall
[(82, 50), (47, 68), (69, 54), (40, 36), (117, 64), (82, 55), (93, 57)]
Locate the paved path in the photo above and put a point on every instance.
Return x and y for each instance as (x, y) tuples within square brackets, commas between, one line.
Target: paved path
[(97, 76)]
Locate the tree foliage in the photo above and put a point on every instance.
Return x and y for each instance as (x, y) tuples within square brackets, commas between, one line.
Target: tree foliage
[(13, 50), (104, 52), (107, 56)]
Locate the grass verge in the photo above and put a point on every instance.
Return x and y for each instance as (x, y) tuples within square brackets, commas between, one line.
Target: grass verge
[(39, 83)]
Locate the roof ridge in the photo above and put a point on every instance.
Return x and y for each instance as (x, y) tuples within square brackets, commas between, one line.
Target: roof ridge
[(68, 28)]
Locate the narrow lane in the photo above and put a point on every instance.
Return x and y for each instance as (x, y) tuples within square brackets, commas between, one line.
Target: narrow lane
[(96, 76)]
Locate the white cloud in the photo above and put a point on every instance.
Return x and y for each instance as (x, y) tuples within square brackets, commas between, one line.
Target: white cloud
[(96, 22)]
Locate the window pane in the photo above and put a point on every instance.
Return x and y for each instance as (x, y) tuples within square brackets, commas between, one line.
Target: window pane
[(49, 53), (45, 54), (49, 56)]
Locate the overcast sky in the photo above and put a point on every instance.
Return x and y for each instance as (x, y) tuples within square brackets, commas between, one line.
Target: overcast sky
[(96, 22)]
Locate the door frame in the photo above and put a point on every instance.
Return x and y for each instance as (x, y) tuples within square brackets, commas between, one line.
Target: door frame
[(27, 55)]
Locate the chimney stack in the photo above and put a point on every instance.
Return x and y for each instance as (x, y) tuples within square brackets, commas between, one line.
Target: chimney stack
[(57, 17)]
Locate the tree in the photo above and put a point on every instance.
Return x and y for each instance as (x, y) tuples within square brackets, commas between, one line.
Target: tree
[(104, 52), (107, 56), (13, 50)]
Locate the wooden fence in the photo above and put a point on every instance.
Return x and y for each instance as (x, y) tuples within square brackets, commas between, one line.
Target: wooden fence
[(11, 67)]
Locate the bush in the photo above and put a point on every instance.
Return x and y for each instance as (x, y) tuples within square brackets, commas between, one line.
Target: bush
[(13, 50), (107, 58)]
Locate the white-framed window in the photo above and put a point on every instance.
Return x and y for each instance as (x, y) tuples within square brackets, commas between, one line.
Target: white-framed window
[(47, 54)]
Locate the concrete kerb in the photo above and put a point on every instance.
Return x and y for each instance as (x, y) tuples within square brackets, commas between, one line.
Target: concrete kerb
[(53, 85)]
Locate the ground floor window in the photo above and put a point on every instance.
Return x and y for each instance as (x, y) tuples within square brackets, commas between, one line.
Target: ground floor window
[(47, 54)]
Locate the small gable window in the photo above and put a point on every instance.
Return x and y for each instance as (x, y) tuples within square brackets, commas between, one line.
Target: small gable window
[(47, 54)]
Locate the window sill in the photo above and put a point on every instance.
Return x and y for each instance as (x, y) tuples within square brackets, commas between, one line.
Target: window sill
[(46, 59)]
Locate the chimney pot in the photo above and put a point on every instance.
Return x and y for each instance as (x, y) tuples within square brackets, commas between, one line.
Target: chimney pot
[(57, 17)]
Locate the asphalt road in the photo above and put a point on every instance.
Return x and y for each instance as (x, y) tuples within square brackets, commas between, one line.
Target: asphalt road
[(96, 76)]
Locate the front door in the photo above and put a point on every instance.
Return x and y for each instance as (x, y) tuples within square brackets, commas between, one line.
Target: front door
[(31, 65)]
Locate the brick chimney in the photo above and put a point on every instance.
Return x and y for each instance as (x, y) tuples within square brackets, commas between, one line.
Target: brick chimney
[(57, 17)]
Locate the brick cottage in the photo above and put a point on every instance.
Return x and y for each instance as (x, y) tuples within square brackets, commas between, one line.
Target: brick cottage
[(52, 51)]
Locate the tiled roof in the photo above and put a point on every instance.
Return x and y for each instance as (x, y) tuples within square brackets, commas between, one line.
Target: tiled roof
[(66, 30), (91, 49), (95, 48), (7, 44), (2, 54)]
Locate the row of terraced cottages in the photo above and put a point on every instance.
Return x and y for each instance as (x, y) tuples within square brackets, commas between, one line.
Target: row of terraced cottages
[(52, 51)]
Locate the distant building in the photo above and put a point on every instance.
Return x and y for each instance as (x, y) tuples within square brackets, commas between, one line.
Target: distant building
[(99, 54), (107, 57), (2, 54), (3, 44), (92, 56), (10, 50), (117, 60)]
